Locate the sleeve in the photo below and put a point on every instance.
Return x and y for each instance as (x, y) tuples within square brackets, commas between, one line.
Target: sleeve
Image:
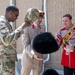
[(27, 43), (59, 38), (8, 37)]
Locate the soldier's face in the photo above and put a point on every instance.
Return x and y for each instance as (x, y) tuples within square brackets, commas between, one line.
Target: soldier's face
[(66, 21), (13, 15), (39, 20)]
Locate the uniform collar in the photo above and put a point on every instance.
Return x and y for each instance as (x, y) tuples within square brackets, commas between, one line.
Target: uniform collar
[(34, 25), (4, 18)]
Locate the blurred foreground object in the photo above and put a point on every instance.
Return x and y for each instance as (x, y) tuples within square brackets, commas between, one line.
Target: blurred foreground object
[(45, 43), (50, 72)]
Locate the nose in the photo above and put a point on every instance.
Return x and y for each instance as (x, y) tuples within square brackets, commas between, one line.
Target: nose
[(64, 22)]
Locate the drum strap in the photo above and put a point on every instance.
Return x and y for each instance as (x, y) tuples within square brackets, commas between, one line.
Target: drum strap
[(68, 35)]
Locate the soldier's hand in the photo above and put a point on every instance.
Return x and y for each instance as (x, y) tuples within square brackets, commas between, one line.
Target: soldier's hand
[(37, 58), (24, 25), (71, 47)]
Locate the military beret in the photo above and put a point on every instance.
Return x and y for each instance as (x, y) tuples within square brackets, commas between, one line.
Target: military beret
[(45, 43), (50, 72), (31, 15)]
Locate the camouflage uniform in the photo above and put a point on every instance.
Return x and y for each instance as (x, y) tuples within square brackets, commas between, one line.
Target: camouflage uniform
[(8, 54)]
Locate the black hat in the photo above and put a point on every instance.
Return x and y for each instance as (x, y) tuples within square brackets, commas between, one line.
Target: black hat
[(50, 72), (45, 43)]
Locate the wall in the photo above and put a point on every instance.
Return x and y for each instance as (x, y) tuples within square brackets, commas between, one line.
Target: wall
[(55, 10)]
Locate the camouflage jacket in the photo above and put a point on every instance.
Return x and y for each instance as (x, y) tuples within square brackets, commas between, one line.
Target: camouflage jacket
[(7, 38)]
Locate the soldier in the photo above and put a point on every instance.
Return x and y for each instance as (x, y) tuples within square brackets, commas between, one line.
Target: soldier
[(8, 54), (32, 60), (66, 38)]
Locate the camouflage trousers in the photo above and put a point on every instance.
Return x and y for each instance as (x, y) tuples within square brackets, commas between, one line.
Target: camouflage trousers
[(8, 68)]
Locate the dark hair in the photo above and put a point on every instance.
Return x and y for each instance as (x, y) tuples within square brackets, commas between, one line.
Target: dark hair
[(50, 72), (68, 15), (12, 8)]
